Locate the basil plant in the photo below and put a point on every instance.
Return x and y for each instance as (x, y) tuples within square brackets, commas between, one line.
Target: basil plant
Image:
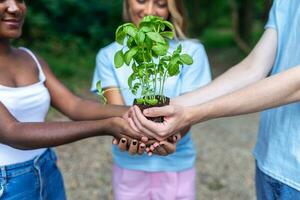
[(146, 51)]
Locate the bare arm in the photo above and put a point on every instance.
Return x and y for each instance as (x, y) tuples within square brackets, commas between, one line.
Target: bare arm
[(37, 135), (254, 67), (280, 89), (74, 107)]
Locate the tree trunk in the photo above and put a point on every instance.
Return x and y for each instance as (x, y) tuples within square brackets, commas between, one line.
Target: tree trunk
[(242, 44), (267, 7), (245, 12)]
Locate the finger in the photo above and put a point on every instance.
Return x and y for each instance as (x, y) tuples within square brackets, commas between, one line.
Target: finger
[(159, 150), (115, 141), (147, 149), (159, 111), (146, 126), (152, 147), (133, 148), (175, 138), (137, 114), (169, 147), (141, 149), (132, 125), (123, 144)]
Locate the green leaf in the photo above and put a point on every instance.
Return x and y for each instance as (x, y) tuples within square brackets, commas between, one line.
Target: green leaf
[(151, 18), (186, 59), (141, 73), (169, 24), (156, 37), (130, 42), (173, 69), (140, 38), (167, 34), (148, 43), (152, 102), (130, 80), (178, 49), (129, 54), (130, 30), (134, 67), (162, 27), (140, 100), (146, 29), (160, 49), (100, 93), (99, 87), (120, 35), (119, 59)]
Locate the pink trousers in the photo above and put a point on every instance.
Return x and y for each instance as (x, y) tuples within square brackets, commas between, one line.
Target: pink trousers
[(141, 185)]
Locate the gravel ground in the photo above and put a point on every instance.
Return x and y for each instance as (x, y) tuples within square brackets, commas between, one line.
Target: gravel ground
[(225, 167)]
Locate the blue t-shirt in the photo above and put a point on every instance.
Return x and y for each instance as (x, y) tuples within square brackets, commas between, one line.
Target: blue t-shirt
[(277, 149), (191, 77)]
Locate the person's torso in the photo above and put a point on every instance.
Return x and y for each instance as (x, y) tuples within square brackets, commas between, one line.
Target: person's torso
[(185, 155), (277, 150), (28, 103)]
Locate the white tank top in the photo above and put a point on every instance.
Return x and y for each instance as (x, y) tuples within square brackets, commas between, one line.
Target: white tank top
[(27, 104)]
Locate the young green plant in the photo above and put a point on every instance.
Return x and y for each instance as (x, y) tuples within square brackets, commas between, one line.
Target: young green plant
[(145, 48)]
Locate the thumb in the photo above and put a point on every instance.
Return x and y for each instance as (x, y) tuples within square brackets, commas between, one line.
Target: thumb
[(159, 111), (169, 147)]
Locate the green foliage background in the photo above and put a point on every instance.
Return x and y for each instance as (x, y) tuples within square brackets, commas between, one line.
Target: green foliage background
[(68, 33)]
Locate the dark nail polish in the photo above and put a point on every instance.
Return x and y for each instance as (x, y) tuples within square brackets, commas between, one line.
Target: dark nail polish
[(123, 141), (134, 142), (176, 137)]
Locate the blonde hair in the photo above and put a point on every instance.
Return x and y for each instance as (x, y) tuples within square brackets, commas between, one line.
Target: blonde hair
[(177, 16)]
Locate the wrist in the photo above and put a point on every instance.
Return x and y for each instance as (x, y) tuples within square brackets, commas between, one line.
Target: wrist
[(106, 126), (197, 114)]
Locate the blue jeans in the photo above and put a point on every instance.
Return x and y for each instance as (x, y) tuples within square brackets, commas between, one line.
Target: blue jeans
[(267, 188), (37, 179)]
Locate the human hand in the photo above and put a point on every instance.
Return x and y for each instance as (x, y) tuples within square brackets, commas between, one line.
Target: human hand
[(175, 119), (119, 128), (133, 146), (164, 148)]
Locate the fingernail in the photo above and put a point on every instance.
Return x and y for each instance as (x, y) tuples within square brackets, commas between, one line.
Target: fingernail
[(123, 140), (175, 136), (142, 146), (146, 111), (134, 142)]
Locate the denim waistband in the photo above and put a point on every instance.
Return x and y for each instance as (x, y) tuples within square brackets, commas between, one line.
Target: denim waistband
[(24, 167)]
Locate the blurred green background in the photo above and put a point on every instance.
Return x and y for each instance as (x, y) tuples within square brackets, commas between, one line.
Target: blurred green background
[(68, 33)]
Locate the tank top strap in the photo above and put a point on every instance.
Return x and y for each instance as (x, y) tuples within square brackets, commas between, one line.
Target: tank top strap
[(42, 76)]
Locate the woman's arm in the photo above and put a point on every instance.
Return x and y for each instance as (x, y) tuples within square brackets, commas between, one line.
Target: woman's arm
[(280, 89), (256, 66), (277, 90), (37, 135), (74, 107)]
